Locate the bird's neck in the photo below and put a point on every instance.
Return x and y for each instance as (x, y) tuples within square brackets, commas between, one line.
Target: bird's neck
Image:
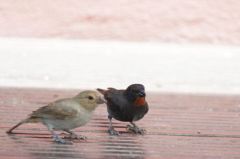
[(138, 101)]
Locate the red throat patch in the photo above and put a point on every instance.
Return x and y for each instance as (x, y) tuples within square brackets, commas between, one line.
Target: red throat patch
[(139, 101)]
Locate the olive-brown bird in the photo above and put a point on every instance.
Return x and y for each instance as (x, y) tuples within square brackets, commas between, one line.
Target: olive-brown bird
[(65, 114), (126, 105)]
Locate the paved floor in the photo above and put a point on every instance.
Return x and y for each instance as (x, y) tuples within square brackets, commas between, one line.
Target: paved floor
[(178, 126)]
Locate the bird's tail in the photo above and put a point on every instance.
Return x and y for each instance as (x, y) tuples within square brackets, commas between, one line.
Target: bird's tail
[(28, 120), (102, 91)]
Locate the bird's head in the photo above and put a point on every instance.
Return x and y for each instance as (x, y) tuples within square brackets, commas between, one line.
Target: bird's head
[(136, 94), (90, 99)]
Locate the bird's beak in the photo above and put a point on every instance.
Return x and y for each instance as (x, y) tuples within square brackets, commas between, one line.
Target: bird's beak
[(101, 100)]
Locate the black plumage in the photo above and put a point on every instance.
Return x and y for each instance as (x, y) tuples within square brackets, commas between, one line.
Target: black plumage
[(127, 105)]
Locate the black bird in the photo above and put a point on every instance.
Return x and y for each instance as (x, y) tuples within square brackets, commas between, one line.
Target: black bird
[(126, 105)]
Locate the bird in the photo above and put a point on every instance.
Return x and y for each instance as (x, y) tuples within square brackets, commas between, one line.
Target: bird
[(65, 114), (126, 105)]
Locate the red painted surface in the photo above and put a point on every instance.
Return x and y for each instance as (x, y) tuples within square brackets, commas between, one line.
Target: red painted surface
[(178, 126)]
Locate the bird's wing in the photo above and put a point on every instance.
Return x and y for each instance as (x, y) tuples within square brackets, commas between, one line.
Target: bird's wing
[(61, 109), (113, 96)]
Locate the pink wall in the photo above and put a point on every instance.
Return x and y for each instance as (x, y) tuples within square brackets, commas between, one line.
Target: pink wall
[(199, 21)]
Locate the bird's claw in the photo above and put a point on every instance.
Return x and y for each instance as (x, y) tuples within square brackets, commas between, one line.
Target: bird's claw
[(136, 129), (75, 137), (81, 137), (59, 140), (113, 132)]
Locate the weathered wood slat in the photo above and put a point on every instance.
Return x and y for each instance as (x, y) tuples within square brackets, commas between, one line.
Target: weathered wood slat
[(178, 126)]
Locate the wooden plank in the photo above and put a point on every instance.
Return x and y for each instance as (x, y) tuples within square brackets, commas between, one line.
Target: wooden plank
[(178, 126)]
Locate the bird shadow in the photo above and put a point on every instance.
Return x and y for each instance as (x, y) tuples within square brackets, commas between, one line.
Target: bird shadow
[(41, 146), (123, 147)]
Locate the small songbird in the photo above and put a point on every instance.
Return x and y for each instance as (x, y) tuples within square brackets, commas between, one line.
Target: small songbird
[(65, 114), (126, 105)]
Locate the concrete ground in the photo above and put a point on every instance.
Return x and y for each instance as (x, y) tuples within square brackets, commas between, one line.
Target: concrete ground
[(80, 64)]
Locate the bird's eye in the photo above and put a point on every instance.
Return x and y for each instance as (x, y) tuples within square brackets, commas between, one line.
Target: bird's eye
[(90, 97)]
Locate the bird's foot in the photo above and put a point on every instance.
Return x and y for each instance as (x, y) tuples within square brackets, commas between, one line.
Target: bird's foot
[(136, 129), (113, 132), (75, 137), (59, 140)]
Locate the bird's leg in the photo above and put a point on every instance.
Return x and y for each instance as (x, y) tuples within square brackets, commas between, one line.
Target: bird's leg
[(135, 129), (111, 130), (72, 135), (57, 138)]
